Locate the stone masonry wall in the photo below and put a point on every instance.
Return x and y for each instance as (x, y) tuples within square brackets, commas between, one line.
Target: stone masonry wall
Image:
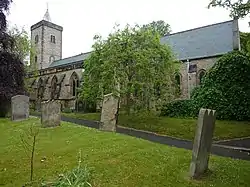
[(187, 85), (52, 49), (45, 48), (68, 100), (38, 46)]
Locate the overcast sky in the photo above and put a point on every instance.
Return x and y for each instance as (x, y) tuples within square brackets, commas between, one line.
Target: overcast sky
[(82, 19)]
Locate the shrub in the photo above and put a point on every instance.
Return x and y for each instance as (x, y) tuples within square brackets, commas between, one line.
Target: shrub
[(226, 88), (179, 108)]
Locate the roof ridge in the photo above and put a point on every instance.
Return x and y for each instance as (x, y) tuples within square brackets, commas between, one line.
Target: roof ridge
[(73, 56), (198, 28)]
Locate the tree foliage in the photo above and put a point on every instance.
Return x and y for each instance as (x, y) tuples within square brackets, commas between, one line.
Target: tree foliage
[(239, 8), (4, 8), (245, 42), (11, 66), (131, 63), (225, 87), (24, 48), (158, 26), (22, 45)]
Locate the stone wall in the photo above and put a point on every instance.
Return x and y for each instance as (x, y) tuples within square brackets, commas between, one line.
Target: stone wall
[(38, 46), (188, 83), (63, 78), (45, 49), (68, 100), (52, 49)]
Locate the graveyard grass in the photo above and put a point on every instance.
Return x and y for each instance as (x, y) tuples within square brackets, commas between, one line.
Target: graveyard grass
[(174, 127), (115, 159)]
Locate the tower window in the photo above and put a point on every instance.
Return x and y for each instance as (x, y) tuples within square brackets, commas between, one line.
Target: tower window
[(51, 59), (36, 39), (35, 59), (52, 39)]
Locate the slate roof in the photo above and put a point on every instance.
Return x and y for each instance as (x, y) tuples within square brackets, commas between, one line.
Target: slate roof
[(207, 41), (70, 60)]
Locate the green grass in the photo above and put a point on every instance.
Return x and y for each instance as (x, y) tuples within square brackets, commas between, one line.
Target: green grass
[(117, 160), (179, 128)]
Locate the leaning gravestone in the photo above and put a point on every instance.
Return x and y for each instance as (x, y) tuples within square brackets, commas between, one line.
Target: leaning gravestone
[(19, 107), (202, 142), (109, 112), (50, 113)]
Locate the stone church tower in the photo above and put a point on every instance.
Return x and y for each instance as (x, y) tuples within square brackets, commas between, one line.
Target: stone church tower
[(47, 39)]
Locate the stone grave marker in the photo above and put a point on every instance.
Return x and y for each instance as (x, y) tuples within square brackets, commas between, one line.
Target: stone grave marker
[(19, 107), (109, 113), (202, 142), (50, 113)]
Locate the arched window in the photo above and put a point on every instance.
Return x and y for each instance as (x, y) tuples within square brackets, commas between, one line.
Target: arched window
[(36, 39), (51, 59), (53, 87), (35, 59), (74, 84), (201, 75)]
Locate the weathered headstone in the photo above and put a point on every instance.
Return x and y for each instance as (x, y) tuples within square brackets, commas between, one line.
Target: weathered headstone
[(202, 142), (19, 107), (50, 113), (109, 112)]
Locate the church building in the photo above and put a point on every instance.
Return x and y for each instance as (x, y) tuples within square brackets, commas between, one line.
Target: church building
[(197, 49)]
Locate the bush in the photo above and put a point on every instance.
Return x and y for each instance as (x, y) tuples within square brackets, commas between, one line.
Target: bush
[(179, 108), (225, 88)]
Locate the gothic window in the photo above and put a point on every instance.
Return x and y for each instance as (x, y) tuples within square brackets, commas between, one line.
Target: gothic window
[(36, 39), (74, 84), (51, 59), (52, 39), (178, 83), (53, 87), (201, 75)]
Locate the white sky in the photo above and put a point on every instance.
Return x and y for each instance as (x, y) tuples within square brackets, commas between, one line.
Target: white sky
[(82, 19)]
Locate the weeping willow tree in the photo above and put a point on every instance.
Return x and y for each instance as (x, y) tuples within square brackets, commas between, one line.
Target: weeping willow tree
[(133, 64)]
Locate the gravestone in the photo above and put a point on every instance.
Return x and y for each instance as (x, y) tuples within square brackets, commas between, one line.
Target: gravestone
[(109, 113), (19, 107), (50, 113), (202, 142)]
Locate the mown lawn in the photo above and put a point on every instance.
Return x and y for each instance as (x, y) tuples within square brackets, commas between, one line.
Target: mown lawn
[(175, 127), (116, 160)]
